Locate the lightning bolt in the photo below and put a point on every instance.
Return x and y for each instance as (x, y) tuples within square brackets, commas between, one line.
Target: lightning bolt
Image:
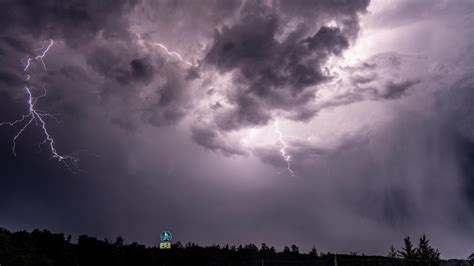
[(168, 51), (38, 116), (283, 152)]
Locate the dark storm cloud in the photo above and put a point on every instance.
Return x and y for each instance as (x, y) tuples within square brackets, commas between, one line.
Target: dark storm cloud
[(379, 78), (27, 23), (274, 74), (276, 66), (114, 62), (407, 172), (183, 22), (76, 22), (131, 69), (345, 12), (98, 31), (13, 48), (268, 65)]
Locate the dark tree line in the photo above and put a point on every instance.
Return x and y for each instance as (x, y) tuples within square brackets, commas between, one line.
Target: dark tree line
[(45, 248), (423, 254)]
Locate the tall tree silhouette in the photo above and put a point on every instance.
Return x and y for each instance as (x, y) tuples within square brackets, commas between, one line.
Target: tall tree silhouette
[(425, 252), (408, 252), (471, 259)]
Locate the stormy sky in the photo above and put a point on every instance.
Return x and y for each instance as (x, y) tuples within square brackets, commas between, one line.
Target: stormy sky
[(347, 125)]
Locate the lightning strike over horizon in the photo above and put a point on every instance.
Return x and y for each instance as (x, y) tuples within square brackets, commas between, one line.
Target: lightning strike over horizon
[(38, 116), (170, 53), (283, 152)]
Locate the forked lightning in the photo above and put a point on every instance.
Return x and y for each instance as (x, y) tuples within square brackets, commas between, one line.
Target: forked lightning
[(283, 152), (36, 117)]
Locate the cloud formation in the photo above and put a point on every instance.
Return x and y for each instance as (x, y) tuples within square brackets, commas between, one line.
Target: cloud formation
[(383, 143)]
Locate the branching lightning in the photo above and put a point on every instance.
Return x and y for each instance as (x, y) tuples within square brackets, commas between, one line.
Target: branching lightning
[(283, 152), (170, 53), (38, 116), (162, 46)]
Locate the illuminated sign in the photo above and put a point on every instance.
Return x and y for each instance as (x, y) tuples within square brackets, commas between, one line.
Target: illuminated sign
[(165, 245), (165, 238)]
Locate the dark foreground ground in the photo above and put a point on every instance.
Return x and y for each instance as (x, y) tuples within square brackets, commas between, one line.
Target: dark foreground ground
[(45, 248)]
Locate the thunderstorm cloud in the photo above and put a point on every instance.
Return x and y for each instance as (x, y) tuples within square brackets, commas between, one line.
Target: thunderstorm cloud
[(174, 106)]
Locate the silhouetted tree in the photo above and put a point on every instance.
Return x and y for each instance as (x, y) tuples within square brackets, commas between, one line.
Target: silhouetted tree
[(313, 253), (179, 245), (265, 251), (408, 252), (471, 259), (295, 249), (272, 250), (119, 241), (425, 252)]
